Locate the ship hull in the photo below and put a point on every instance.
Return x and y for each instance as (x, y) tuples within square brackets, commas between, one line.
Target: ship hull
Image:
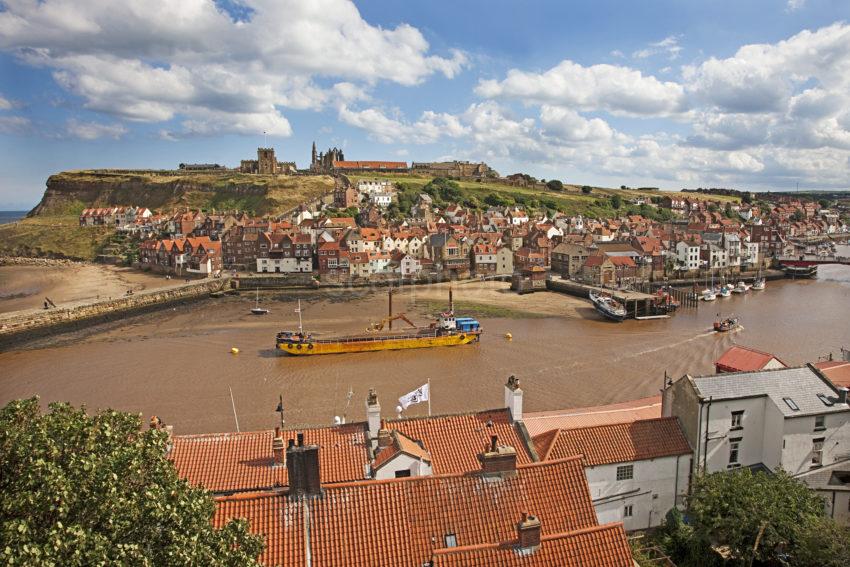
[(376, 344)]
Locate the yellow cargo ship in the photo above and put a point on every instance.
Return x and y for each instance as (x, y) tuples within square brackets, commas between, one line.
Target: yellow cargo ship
[(447, 331)]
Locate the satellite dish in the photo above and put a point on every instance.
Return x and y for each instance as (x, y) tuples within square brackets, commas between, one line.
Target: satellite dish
[(399, 409)]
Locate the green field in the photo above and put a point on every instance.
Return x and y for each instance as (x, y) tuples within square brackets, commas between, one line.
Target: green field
[(53, 236), (570, 201)]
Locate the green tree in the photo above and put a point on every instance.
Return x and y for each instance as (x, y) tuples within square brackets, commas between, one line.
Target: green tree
[(747, 198), (824, 203), (555, 185), (616, 201), (97, 490), (586, 189), (757, 516), (823, 542), (495, 200), (447, 190), (798, 215)]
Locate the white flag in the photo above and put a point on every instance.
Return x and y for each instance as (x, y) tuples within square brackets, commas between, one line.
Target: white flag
[(420, 394)]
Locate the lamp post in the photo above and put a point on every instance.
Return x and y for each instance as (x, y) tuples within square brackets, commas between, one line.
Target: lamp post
[(279, 410)]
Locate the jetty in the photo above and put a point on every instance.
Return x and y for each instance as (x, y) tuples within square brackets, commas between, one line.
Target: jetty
[(637, 303)]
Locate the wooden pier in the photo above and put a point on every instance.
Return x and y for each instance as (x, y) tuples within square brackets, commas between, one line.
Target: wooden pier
[(637, 303)]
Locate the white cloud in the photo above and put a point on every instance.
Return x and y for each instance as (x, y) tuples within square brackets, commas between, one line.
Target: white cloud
[(430, 127), (5, 104), (14, 124), (158, 60), (794, 5), (668, 46), (612, 88), (94, 130)]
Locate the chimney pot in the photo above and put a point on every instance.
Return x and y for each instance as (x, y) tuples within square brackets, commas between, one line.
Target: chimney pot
[(278, 452), (842, 395), (385, 438), (300, 439), (500, 461), (493, 440), (528, 531)]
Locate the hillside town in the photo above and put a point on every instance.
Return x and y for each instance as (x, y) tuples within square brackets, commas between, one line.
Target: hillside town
[(374, 229)]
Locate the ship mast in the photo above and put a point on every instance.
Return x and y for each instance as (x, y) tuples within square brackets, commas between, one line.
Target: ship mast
[(390, 315), (300, 324)]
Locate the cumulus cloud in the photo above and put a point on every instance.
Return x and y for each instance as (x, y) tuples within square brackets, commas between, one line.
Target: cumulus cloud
[(611, 88), (430, 127), (94, 130), (14, 124), (5, 104), (157, 60), (794, 5)]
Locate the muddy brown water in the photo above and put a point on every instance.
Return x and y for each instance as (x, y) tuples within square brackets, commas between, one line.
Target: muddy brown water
[(177, 363)]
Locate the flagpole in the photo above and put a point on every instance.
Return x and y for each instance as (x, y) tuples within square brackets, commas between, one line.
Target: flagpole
[(429, 397)]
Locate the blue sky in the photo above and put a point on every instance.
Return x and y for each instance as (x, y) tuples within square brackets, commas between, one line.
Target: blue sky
[(752, 94)]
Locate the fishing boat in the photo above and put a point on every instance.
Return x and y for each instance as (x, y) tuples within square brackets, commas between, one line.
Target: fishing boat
[(741, 287), (608, 306), (664, 302), (448, 330), (257, 310), (724, 325)]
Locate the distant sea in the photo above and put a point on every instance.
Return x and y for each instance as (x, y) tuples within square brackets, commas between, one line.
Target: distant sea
[(11, 216)]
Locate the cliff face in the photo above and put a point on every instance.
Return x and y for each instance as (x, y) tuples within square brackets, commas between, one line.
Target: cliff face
[(70, 192)]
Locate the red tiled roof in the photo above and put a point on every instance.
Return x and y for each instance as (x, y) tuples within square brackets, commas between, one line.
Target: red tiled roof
[(402, 521), (370, 165), (454, 441), (229, 462), (599, 546), (744, 359), (837, 371), (622, 412), (618, 443)]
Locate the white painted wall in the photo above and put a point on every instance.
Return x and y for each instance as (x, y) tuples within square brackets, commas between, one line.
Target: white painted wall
[(401, 462), (798, 436), (652, 492)]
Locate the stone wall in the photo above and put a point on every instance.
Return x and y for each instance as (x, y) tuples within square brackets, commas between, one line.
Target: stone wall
[(18, 328)]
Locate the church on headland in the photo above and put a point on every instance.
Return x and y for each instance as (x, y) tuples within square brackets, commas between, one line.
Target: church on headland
[(267, 164)]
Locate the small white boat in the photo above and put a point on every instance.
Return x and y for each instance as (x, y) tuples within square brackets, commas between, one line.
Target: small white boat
[(608, 306), (741, 287), (257, 310), (725, 291), (708, 295), (759, 284)]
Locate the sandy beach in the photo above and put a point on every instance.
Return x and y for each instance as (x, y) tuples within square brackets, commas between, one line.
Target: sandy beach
[(24, 287), (495, 298)]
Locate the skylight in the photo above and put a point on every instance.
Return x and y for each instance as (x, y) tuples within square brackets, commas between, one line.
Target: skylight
[(826, 401), (791, 404)]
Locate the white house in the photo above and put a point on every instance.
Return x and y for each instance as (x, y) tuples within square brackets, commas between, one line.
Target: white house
[(410, 266), (370, 186), (382, 200), (688, 254), (636, 471), (792, 418), (398, 456)]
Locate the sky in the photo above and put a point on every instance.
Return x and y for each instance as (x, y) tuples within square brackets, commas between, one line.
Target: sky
[(750, 94)]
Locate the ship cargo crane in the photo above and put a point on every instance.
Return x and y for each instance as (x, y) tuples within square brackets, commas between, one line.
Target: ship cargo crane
[(379, 326)]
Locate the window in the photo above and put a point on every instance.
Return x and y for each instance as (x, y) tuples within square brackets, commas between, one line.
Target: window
[(737, 419), (817, 452), (402, 474), (826, 401), (734, 449), (625, 472), (628, 511), (451, 540), (820, 422), (791, 404)]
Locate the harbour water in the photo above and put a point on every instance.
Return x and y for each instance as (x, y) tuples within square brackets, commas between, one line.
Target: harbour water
[(177, 363)]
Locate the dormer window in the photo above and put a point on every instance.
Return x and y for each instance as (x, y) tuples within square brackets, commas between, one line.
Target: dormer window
[(451, 540)]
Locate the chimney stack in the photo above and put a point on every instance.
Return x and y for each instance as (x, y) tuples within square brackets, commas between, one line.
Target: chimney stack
[(842, 395), (513, 398), (385, 438), (373, 417), (497, 460), (279, 458), (302, 466), (528, 530)]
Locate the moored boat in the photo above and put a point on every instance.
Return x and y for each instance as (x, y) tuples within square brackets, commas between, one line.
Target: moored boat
[(708, 295), (608, 306), (257, 310), (449, 330), (725, 291), (759, 284), (741, 287)]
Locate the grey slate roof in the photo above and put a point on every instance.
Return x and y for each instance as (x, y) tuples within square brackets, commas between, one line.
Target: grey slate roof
[(831, 477), (801, 384)]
